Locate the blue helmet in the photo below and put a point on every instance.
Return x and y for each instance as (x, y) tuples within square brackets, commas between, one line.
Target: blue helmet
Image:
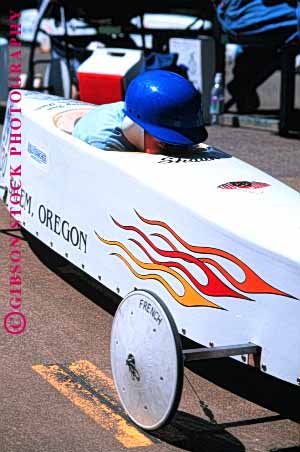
[(167, 106)]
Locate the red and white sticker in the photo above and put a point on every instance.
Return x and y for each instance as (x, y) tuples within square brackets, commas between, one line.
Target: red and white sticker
[(243, 185)]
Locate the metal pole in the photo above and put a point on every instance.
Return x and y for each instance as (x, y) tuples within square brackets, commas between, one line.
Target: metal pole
[(197, 354)]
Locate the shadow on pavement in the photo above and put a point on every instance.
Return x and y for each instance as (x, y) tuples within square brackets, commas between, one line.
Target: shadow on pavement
[(249, 383), (192, 433), (78, 279)]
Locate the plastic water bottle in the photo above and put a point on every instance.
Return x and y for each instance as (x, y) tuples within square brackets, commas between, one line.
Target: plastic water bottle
[(217, 99)]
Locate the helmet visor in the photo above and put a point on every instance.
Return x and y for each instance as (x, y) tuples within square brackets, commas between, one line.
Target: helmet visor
[(177, 136)]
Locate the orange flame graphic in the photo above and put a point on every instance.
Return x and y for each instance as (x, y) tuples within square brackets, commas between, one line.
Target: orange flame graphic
[(252, 282), (194, 291), (190, 296)]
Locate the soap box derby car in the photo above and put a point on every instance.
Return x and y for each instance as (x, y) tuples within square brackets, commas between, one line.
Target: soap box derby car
[(200, 245)]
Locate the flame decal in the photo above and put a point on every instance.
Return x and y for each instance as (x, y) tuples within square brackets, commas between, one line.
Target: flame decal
[(215, 288), (190, 296), (223, 289), (252, 282), (194, 292)]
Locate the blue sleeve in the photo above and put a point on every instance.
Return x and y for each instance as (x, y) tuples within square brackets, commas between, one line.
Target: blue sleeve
[(101, 127)]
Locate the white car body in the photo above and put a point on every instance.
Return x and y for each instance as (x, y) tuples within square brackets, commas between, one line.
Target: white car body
[(223, 255)]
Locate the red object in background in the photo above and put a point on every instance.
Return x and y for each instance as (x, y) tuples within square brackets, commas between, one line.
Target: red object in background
[(100, 88), (103, 78)]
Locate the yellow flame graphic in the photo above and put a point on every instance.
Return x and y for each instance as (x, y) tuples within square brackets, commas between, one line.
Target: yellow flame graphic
[(189, 298)]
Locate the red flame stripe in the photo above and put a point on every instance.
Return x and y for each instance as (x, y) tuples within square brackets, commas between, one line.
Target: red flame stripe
[(252, 283), (206, 289), (217, 287), (173, 247)]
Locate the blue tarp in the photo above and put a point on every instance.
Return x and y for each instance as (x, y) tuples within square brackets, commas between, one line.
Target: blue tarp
[(254, 21)]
